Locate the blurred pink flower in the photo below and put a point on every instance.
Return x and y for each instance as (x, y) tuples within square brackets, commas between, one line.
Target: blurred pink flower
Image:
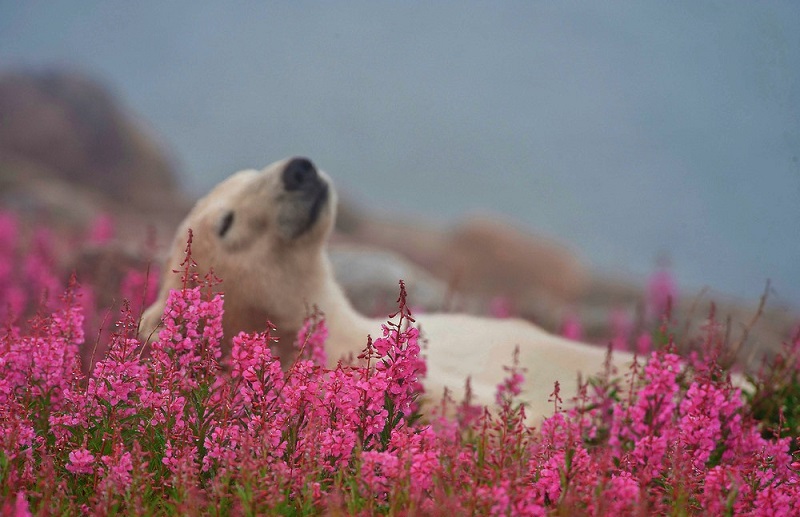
[(81, 461), (501, 307), (21, 508), (571, 327), (661, 293), (102, 229)]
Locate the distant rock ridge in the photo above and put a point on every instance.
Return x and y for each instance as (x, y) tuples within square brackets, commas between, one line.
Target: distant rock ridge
[(64, 126)]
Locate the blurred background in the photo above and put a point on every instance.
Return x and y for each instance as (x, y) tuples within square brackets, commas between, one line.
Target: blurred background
[(583, 145)]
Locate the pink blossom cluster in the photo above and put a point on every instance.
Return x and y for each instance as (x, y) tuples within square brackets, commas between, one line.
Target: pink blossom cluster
[(36, 265), (22, 269), (178, 428)]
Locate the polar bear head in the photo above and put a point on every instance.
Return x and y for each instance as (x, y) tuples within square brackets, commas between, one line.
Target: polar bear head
[(263, 233)]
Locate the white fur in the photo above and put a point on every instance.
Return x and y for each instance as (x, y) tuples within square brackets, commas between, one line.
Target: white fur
[(267, 276)]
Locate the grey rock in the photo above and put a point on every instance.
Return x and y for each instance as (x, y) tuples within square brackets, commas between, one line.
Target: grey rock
[(370, 279)]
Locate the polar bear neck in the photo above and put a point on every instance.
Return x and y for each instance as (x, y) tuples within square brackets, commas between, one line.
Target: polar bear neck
[(347, 329)]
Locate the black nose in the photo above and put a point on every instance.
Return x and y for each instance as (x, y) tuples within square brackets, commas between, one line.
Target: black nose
[(300, 174)]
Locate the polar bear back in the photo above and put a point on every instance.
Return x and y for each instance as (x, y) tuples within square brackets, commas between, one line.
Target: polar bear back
[(462, 346)]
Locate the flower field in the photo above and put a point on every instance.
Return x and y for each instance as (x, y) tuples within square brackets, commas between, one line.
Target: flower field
[(91, 423)]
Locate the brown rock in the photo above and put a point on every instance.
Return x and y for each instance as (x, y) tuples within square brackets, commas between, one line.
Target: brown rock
[(495, 258), (69, 152), (72, 127)]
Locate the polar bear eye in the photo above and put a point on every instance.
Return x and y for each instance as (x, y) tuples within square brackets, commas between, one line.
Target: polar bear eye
[(225, 224)]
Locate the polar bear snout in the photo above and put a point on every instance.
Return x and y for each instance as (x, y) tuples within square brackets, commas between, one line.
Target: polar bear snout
[(307, 194), (300, 174)]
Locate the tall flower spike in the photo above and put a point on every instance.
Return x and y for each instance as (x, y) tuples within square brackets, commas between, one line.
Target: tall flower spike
[(189, 276)]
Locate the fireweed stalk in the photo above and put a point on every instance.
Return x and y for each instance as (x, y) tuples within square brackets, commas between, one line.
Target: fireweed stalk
[(177, 429)]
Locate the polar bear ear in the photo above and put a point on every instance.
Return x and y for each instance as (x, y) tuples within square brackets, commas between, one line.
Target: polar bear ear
[(225, 224)]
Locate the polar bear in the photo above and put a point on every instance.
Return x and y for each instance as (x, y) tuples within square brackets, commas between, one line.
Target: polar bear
[(265, 233)]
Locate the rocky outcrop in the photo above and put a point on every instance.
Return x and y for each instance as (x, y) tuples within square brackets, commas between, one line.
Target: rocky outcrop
[(73, 127), (68, 149), (495, 258)]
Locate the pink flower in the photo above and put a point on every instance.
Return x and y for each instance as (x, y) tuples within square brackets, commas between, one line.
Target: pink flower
[(571, 327), (187, 351), (661, 293), (776, 501), (716, 490), (337, 445), (222, 446), (644, 344), (623, 493), (139, 288), (501, 307), (21, 508), (400, 372), (378, 470), (102, 229), (704, 411), (620, 329), (118, 470), (80, 462), (512, 384)]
